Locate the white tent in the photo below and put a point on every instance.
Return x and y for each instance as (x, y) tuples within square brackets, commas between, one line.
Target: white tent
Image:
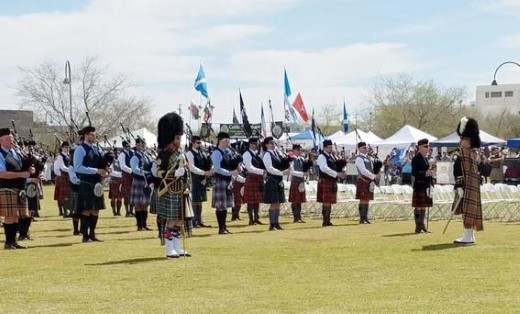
[(453, 140), (404, 137), (371, 137), (336, 135)]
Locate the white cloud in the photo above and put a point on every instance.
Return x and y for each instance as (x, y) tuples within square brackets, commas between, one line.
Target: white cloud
[(506, 7), (511, 41)]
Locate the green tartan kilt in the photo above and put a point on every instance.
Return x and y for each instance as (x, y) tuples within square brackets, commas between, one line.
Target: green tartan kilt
[(169, 206)]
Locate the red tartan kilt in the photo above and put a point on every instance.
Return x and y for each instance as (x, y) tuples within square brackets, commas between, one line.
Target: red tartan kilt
[(296, 196), (114, 191), (62, 187), (236, 193), (363, 190), (421, 200), (327, 191), (126, 185), (254, 189)]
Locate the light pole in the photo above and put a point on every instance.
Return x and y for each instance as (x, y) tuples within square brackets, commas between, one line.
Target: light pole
[(68, 81), (495, 75)]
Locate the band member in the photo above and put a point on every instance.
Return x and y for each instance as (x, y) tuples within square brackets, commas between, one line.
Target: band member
[(126, 185), (465, 171), (200, 168), (254, 185), (238, 184), (116, 181), (274, 190), (421, 185), (74, 194), (328, 181), (13, 204), (365, 182), (222, 195), (90, 168), (171, 170), (141, 165), (296, 193), (61, 169)]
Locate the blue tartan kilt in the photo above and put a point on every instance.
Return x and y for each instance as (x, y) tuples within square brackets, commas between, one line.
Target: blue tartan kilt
[(274, 191), (154, 202), (138, 196), (169, 206), (86, 198), (221, 196), (198, 190), (72, 202)]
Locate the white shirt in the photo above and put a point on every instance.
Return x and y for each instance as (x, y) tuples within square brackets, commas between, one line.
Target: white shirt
[(360, 165), (295, 173), (247, 160), (269, 164), (191, 163), (59, 166), (115, 174), (322, 164), (122, 163)]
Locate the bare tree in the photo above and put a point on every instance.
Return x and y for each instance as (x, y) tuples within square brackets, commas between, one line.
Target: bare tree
[(330, 119), (94, 90)]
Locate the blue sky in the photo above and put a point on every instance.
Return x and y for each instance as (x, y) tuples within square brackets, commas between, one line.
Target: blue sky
[(332, 49)]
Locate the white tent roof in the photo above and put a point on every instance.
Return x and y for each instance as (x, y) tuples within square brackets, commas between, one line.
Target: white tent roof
[(405, 136), (371, 137), (338, 134), (453, 140), (351, 138)]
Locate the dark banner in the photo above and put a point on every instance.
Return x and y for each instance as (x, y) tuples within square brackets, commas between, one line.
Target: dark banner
[(277, 129), (236, 130)]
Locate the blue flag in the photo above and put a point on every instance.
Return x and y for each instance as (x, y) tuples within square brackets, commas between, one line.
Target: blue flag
[(286, 84), (201, 84), (290, 114), (345, 118)]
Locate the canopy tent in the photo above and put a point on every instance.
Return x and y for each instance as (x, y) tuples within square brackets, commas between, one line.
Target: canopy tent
[(404, 137), (149, 137), (306, 139), (453, 140), (513, 142), (336, 135), (371, 137)]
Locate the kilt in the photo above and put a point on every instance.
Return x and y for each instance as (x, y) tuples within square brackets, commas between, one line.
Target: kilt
[(33, 204), (327, 191), (72, 202), (169, 206), (254, 189), (114, 190), (62, 187), (221, 199), (274, 192), (362, 190), (237, 198), (10, 204), (420, 199), (154, 202), (198, 190), (126, 185), (295, 196), (138, 196), (86, 198)]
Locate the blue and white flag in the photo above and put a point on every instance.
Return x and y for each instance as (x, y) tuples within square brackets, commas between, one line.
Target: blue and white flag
[(290, 114), (345, 118), (201, 84)]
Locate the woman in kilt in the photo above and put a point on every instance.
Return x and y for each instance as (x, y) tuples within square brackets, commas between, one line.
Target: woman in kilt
[(327, 182), (465, 171), (421, 185), (127, 178), (254, 186), (141, 194), (62, 182), (171, 197), (13, 175), (116, 181), (297, 197), (274, 190), (366, 177)]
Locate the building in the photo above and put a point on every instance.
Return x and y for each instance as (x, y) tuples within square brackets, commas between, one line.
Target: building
[(494, 99)]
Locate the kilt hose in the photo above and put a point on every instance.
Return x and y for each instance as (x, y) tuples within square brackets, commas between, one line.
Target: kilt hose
[(254, 189), (237, 197), (222, 198), (198, 189), (62, 187), (126, 185), (169, 206), (420, 199), (114, 190), (363, 189), (274, 191), (10, 204), (327, 191), (295, 196), (86, 198), (138, 196)]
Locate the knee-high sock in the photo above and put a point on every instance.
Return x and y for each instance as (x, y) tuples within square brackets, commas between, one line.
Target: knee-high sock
[(272, 217), (118, 206), (361, 211), (138, 219), (144, 218), (218, 214), (277, 217), (113, 206), (300, 212), (256, 208), (92, 225), (250, 213), (84, 225), (75, 224), (10, 234), (294, 208)]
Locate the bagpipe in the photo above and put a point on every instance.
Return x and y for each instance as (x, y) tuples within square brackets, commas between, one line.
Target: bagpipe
[(285, 160), (306, 166), (231, 162), (170, 184)]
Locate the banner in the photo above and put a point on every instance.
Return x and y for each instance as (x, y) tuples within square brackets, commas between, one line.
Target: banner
[(236, 130), (277, 129)]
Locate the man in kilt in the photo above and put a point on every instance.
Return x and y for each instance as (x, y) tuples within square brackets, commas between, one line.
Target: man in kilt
[(90, 169), (465, 171), (274, 193), (297, 197), (62, 183), (126, 184), (116, 180), (141, 194), (13, 175), (327, 182), (254, 185), (222, 196), (171, 171), (421, 185), (74, 194), (365, 181), (200, 168)]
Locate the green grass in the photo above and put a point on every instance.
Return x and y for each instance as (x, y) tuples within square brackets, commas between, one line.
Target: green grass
[(303, 269)]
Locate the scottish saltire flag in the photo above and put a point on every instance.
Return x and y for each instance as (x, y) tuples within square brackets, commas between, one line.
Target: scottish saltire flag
[(235, 119), (345, 118), (314, 129), (262, 122), (201, 84), (290, 114)]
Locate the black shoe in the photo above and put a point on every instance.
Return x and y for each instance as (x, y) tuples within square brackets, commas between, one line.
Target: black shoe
[(327, 224), (128, 215), (140, 229), (172, 256), (18, 246), (185, 254), (22, 238), (85, 239), (258, 222), (251, 222), (146, 228), (301, 221), (76, 233), (9, 247), (278, 227), (94, 239), (204, 226), (361, 221), (367, 222), (463, 243), (272, 228)]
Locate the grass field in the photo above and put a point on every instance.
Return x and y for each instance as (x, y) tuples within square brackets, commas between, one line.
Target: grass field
[(305, 268)]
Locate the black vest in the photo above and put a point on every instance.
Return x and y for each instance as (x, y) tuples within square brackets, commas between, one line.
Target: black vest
[(331, 163), (145, 164), (367, 162), (128, 156), (276, 163), (224, 164), (92, 159), (66, 159), (12, 165)]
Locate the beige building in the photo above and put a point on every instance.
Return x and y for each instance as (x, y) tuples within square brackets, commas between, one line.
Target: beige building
[(494, 99)]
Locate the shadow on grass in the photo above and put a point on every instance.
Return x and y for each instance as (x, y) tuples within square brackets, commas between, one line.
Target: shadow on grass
[(399, 235), (51, 245), (129, 261), (440, 246), (55, 230)]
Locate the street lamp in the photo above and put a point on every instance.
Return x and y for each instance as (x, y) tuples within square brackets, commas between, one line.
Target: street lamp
[(68, 81), (495, 75)]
